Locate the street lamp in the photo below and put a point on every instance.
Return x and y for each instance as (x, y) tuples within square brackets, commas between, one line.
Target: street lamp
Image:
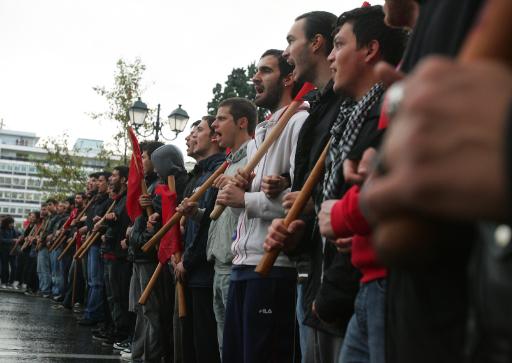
[(177, 120)]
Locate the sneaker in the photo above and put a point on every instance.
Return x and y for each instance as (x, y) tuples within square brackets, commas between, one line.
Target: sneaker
[(126, 355), (23, 286), (123, 345), (127, 350), (58, 298), (46, 296), (30, 293), (15, 284), (3, 286), (77, 306)]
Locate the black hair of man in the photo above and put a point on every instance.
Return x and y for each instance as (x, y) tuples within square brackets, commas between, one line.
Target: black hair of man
[(71, 200), (44, 205), (6, 221), (240, 107), (82, 194), (123, 171), (209, 119), (37, 214), (195, 123), (105, 174), (368, 25), (150, 146), (285, 68), (51, 201), (94, 175), (319, 22)]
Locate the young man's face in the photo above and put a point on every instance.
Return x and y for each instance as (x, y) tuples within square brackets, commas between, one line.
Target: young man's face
[(62, 207), (202, 139), (299, 52), (190, 142), (225, 127), (91, 184), (115, 181), (44, 211), (32, 218), (79, 200), (267, 83), (102, 184), (147, 165), (51, 207), (347, 61)]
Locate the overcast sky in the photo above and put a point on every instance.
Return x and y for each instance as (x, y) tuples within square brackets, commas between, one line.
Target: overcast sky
[(54, 51)]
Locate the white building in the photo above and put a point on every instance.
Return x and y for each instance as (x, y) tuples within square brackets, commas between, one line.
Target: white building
[(20, 185)]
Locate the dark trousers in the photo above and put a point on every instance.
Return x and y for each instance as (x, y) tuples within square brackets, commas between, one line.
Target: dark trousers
[(21, 261), (79, 284), (8, 264), (117, 275), (199, 329), (260, 321), (30, 273)]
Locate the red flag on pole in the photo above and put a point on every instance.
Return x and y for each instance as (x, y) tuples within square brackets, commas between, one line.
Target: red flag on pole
[(171, 241), (135, 178)]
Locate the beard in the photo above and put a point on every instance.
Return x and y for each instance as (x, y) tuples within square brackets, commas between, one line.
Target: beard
[(272, 97)]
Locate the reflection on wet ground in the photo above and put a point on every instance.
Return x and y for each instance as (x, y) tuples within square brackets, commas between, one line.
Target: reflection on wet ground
[(31, 330)]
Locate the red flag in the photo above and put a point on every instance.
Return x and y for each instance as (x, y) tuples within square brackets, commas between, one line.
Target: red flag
[(171, 241), (135, 178)]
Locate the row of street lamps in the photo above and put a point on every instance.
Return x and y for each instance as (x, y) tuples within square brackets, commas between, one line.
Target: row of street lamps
[(177, 120)]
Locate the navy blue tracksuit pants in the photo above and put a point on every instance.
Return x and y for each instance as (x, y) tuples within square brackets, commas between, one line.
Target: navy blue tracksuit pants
[(260, 321)]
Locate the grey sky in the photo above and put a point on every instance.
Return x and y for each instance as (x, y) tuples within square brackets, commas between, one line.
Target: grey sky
[(54, 51)]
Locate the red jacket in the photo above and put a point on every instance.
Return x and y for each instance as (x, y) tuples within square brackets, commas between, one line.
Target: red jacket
[(347, 221)]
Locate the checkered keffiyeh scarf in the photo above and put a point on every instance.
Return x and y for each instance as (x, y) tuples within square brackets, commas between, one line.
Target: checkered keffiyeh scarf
[(344, 133)]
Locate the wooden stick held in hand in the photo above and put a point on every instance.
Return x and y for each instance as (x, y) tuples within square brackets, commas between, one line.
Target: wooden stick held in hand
[(177, 216), (269, 258), (277, 130)]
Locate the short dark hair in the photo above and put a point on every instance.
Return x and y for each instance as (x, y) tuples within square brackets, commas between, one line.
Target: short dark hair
[(6, 221), (285, 68), (82, 194), (93, 175), (209, 119), (122, 170), (51, 201), (105, 174), (368, 24), (319, 22), (149, 146), (37, 214), (71, 199), (240, 107), (195, 123)]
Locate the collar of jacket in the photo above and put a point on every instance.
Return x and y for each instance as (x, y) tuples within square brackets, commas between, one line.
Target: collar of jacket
[(235, 157), (211, 162)]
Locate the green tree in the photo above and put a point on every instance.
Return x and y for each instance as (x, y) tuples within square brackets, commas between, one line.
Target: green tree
[(126, 89), (238, 84), (61, 170)]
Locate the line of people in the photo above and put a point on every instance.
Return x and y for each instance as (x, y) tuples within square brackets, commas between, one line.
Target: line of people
[(355, 280)]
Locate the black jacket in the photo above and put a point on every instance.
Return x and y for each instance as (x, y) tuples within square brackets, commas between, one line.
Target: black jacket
[(116, 229), (199, 269), (310, 258)]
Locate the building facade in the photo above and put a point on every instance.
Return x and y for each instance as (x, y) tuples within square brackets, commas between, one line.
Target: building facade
[(21, 188)]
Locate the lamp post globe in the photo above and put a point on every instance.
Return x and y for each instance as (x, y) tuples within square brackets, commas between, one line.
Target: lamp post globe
[(138, 112)]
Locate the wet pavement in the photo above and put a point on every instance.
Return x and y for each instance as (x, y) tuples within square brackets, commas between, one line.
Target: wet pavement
[(32, 331)]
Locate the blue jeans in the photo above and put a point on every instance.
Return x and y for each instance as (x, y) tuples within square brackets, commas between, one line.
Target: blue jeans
[(56, 272), (95, 300), (364, 340), (43, 271)]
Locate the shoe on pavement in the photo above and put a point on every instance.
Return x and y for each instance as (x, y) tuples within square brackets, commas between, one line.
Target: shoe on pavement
[(122, 345), (3, 286), (126, 355)]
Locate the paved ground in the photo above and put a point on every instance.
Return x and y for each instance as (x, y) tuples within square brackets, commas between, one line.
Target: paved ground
[(30, 330)]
